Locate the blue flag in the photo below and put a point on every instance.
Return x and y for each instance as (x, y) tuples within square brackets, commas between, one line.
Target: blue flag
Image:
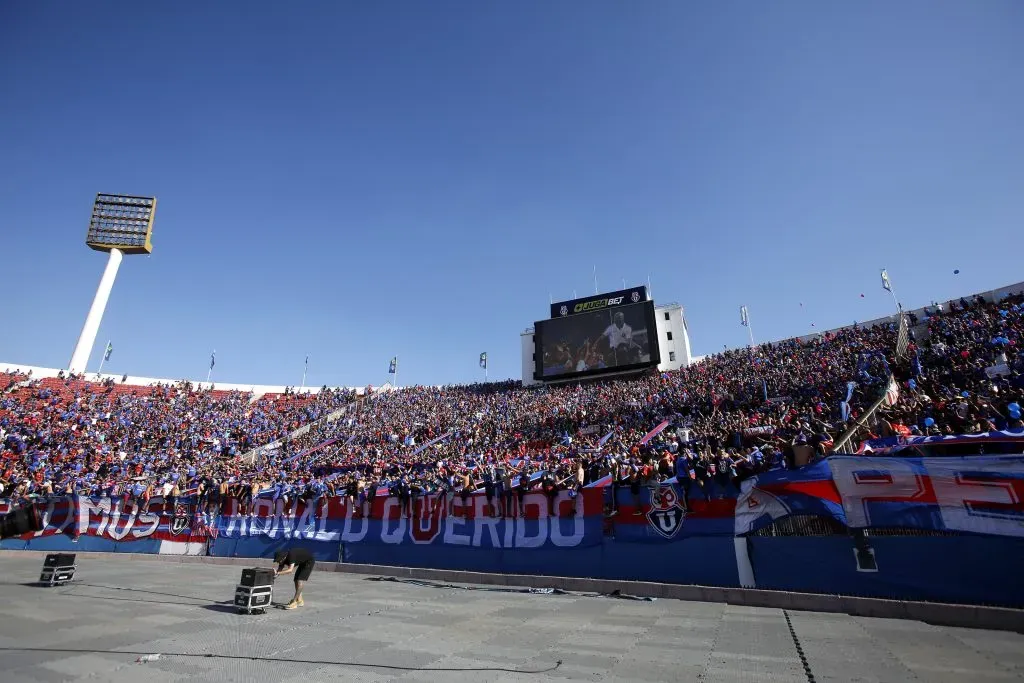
[(393, 368), (213, 359), (483, 360), (110, 350), (844, 405)]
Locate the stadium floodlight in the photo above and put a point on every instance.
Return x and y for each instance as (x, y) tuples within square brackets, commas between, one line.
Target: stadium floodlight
[(123, 223), (120, 224)]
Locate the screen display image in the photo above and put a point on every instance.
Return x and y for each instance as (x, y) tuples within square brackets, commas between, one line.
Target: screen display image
[(614, 339)]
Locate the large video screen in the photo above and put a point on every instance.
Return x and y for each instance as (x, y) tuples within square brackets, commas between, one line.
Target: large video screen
[(615, 339)]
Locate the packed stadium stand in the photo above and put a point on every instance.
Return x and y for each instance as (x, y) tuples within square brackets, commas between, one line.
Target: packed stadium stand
[(740, 470), (732, 415)]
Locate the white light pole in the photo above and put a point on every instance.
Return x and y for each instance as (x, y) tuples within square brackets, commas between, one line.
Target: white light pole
[(120, 224), (83, 348)]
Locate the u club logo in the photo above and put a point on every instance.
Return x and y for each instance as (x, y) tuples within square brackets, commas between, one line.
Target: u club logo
[(666, 515), (564, 310), (635, 297), (180, 520)]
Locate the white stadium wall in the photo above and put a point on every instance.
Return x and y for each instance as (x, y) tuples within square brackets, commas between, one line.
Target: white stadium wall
[(132, 380)]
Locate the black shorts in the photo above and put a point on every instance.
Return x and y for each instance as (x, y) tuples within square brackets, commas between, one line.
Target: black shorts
[(303, 571)]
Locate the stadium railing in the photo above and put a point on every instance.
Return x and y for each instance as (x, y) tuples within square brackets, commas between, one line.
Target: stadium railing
[(902, 336), (845, 443)]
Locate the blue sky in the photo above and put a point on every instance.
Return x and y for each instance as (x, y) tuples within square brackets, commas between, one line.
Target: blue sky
[(362, 180)]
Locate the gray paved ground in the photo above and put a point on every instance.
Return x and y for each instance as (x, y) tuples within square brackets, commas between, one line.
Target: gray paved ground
[(119, 607)]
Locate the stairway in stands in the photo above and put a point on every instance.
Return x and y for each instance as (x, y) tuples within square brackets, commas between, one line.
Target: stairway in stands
[(356, 406)]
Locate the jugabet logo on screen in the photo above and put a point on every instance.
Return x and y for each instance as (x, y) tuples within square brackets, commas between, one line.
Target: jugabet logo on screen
[(597, 303)]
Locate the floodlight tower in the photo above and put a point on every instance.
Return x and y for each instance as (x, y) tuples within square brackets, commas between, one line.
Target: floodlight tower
[(120, 224)]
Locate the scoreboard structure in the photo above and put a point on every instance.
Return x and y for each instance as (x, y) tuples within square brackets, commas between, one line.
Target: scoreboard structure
[(613, 333)]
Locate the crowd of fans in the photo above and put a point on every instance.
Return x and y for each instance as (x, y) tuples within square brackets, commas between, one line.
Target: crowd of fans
[(67, 435), (730, 416), (967, 376)]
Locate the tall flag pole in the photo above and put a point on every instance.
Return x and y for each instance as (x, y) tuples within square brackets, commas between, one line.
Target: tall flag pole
[(213, 361), (105, 357), (745, 321), (304, 369), (887, 286), (595, 278), (902, 326), (483, 364)]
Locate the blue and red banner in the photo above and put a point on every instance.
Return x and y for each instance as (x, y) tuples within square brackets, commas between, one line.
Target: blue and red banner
[(975, 441), (159, 527), (974, 494), (563, 521)]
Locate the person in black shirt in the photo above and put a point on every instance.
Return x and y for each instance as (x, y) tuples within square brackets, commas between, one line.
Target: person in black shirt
[(297, 560), (523, 487), (403, 492), (489, 489), (615, 470), (549, 485)]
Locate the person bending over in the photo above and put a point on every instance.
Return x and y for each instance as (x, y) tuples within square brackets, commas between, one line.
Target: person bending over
[(297, 560)]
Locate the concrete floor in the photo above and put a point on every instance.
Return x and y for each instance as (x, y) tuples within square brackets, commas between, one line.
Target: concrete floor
[(355, 628)]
